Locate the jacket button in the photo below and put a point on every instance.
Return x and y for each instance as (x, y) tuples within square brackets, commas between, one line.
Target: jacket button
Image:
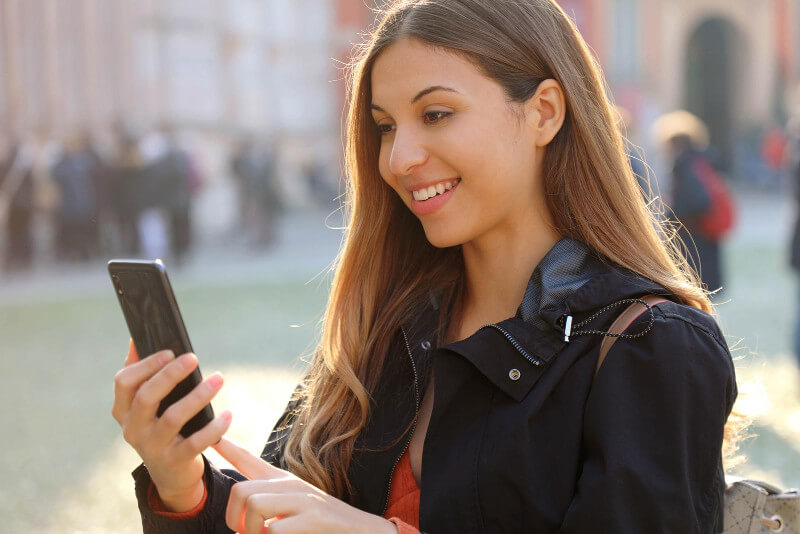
[(514, 374), (426, 345)]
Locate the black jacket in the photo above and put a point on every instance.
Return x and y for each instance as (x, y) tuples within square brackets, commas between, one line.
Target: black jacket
[(524, 438)]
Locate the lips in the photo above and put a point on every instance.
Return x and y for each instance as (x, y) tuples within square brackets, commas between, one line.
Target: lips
[(422, 204)]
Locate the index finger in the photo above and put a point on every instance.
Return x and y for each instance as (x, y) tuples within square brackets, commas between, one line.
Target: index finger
[(128, 379), (247, 464)]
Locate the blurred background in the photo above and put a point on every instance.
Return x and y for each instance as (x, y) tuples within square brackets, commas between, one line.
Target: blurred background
[(208, 133)]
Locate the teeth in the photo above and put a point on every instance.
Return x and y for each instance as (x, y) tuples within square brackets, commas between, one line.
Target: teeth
[(432, 191)]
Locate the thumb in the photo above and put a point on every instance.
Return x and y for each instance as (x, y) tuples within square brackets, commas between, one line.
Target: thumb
[(249, 465)]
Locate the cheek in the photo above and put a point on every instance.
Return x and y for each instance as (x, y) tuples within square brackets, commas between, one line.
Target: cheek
[(383, 165)]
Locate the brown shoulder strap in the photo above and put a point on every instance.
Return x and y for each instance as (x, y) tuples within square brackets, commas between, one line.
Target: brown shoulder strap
[(622, 322)]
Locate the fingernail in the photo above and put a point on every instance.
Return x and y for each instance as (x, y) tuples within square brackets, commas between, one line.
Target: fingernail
[(215, 381), (166, 356), (226, 416), (187, 361)]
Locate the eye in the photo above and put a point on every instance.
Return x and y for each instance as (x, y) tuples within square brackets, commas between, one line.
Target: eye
[(383, 129), (432, 117)]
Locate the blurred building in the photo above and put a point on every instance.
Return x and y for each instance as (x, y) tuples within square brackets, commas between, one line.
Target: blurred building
[(216, 69), (212, 69), (733, 63)]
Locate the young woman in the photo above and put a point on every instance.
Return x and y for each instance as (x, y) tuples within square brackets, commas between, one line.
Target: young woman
[(495, 232)]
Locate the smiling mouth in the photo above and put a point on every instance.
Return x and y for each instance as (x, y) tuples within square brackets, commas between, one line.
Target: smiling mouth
[(434, 190)]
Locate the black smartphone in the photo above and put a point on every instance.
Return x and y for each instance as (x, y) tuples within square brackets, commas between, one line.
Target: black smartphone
[(155, 324)]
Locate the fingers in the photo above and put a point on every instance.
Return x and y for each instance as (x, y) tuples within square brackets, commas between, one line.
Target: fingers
[(257, 511), (286, 525), (128, 380), (269, 523), (172, 420), (133, 355), (253, 502), (149, 395), (283, 509), (206, 436), (249, 465)]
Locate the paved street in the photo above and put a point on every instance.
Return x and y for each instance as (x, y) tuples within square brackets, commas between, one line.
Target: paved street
[(308, 243), (251, 315)]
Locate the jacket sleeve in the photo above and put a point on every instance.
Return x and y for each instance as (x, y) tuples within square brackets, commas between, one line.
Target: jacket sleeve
[(653, 430), (211, 520)]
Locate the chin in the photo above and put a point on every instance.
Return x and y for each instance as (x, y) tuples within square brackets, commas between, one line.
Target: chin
[(441, 237)]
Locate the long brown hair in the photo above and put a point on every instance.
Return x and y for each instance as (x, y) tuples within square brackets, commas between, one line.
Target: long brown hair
[(383, 273)]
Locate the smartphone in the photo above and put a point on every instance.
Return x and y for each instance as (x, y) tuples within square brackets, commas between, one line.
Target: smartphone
[(155, 324)]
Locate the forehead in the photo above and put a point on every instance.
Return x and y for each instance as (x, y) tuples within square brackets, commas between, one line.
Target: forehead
[(409, 65)]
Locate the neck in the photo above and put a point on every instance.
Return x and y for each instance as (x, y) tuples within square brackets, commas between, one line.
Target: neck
[(498, 268)]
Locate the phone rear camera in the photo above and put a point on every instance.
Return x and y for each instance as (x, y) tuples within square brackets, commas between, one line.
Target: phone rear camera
[(117, 285)]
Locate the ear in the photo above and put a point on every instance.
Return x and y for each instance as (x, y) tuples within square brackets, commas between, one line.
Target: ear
[(546, 111)]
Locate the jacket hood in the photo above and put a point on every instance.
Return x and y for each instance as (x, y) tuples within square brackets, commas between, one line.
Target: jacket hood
[(574, 280), (571, 280)]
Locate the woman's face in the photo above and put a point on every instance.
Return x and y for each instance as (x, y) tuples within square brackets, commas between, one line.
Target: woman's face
[(453, 147)]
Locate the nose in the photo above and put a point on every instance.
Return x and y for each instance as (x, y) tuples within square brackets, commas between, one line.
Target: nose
[(407, 153)]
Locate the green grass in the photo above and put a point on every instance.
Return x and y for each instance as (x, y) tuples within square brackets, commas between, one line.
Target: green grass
[(759, 304), (59, 359)]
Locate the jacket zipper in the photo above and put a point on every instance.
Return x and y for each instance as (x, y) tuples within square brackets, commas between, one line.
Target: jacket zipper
[(509, 337), (413, 427), (535, 361)]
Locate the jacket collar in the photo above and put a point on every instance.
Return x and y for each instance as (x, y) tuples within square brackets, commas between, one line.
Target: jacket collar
[(571, 279), (567, 267), (574, 280)]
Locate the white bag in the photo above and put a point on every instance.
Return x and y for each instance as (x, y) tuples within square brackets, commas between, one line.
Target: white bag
[(754, 507)]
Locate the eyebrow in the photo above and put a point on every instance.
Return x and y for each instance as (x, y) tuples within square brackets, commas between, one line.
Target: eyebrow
[(418, 96)]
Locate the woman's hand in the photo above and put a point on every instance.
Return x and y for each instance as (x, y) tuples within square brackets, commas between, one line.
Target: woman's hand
[(174, 462), (277, 502)]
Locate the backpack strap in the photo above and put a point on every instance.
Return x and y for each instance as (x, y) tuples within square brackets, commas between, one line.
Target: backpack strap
[(623, 322)]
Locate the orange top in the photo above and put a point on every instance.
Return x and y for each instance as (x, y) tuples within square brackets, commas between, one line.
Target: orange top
[(403, 509), (156, 505)]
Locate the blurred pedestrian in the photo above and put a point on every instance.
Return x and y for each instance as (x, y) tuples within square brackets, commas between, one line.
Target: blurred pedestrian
[(773, 153), (76, 174), (319, 186), (17, 205), (125, 190), (107, 148), (153, 193), (699, 199), (793, 166), (175, 179), (260, 201)]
